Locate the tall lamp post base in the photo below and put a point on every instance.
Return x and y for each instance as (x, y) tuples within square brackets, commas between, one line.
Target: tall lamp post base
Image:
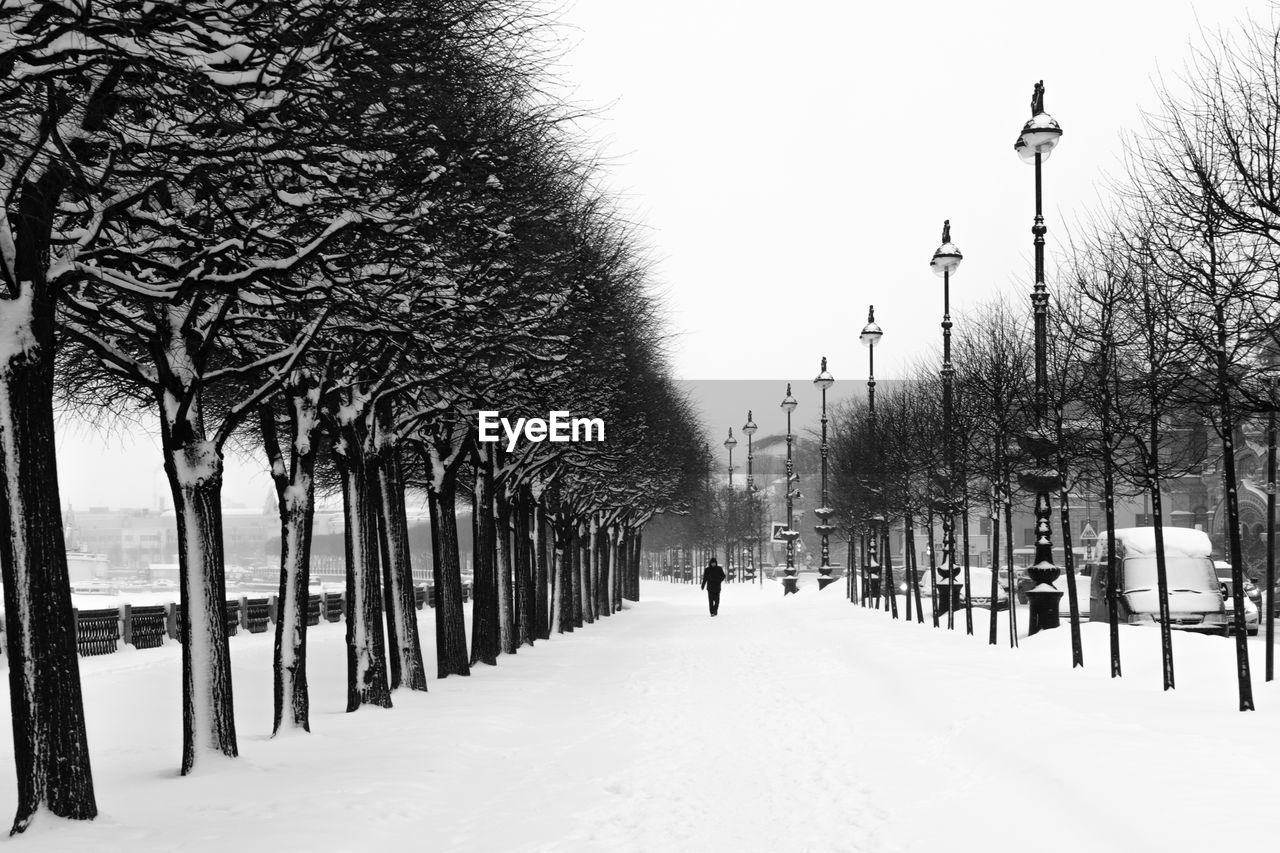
[(825, 581), (948, 595), (789, 585), (1043, 613)]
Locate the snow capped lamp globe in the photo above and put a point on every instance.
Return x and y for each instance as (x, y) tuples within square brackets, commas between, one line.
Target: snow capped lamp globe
[(871, 333), (1040, 134), (824, 380), (789, 403), (947, 257)]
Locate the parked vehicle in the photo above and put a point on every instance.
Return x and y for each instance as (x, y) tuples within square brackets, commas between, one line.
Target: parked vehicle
[(1195, 596), (980, 589), (1081, 579), (1023, 582), (1250, 609), (1251, 591)]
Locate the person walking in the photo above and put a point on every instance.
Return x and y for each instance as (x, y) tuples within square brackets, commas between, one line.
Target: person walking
[(712, 577)]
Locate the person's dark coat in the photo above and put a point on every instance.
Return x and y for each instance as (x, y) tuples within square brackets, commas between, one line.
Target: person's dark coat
[(712, 576)]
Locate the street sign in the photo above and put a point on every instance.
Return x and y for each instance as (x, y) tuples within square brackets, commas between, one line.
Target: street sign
[(778, 527)]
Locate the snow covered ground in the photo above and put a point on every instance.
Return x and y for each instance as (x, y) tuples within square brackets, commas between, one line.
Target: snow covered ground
[(796, 724)]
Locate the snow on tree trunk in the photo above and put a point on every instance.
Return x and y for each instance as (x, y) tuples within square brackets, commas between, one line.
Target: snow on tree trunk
[(194, 468), (611, 571), (1235, 548), (51, 753), (393, 524), (541, 575), (502, 564), (485, 640), (591, 569), (1008, 557), (292, 705), (577, 574), (637, 541), (295, 492), (446, 576), (1069, 571), (366, 651)]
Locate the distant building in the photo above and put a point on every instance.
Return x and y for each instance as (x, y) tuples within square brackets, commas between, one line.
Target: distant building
[(131, 539), (83, 567)]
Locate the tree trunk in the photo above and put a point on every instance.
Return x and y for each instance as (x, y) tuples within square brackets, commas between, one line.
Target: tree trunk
[(446, 576), (1109, 504), (541, 575), (51, 753), (405, 645), (575, 574), (1244, 680), (1069, 566), (295, 495), (909, 546), (906, 571), (863, 586), (618, 553), (1008, 558), (526, 613), (888, 572), (366, 649), (485, 638), (565, 547), (636, 537), (502, 569), (194, 468), (964, 519), (994, 627), (590, 569)]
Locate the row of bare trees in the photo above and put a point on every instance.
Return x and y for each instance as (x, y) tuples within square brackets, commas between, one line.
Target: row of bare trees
[(1164, 331), (331, 233)]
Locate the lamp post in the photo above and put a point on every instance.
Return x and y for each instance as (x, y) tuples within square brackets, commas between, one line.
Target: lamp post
[(730, 443), (790, 534), (946, 260), (749, 429), (870, 338), (1268, 598), (1035, 143), (823, 528)]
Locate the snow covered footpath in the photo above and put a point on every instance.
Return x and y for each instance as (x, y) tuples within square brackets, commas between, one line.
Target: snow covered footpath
[(795, 724)]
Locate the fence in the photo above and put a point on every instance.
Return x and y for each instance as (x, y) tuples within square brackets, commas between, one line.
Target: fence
[(101, 631)]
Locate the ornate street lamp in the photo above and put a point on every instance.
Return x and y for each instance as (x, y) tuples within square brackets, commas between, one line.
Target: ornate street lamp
[(1035, 143), (730, 443), (1269, 590), (790, 534), (749, 429), (870, 338), (946, 260), (823, 528)]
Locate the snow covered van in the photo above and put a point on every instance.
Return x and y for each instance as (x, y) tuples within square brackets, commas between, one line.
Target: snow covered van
[(1195, 598)]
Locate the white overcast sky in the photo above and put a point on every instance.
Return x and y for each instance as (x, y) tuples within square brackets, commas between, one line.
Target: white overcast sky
[(793, 163)]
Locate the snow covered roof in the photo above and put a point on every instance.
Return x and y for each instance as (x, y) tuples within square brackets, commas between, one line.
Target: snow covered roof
[(1141, 541)]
